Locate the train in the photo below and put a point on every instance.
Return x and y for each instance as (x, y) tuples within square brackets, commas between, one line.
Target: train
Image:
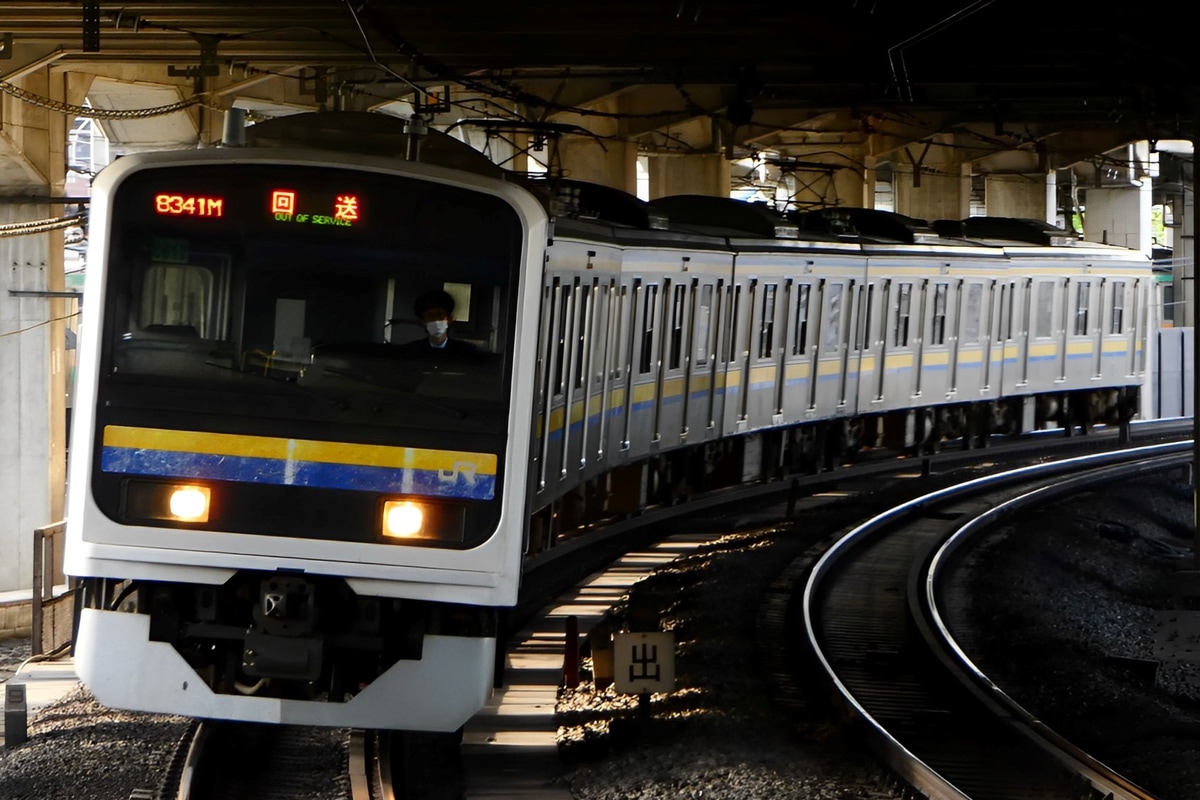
[(279, 511)]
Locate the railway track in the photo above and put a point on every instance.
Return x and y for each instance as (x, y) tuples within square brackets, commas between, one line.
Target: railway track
[(231, 761), (872, 614)]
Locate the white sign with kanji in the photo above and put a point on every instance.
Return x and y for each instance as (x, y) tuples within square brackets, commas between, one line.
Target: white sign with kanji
[(644, 663)]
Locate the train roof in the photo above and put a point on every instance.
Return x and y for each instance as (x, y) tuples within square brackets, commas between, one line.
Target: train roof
[(368, 133), (865, 224), (1008, 229), (724, 216)]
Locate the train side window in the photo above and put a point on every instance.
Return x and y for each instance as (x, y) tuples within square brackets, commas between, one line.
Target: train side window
[(1043, 324), (1008, 305), (735, 303), (583, 333), (649, 310), (937, 332), (1083, 294), (1116, 317), (833, 324), (800, 340), (974, 313), (866, 309), (623, 329), (678, 314), (559, 335), (703, 322), (903, 315), (766, 331)]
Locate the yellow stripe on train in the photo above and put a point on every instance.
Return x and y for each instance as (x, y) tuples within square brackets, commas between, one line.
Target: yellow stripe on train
[(231, 444)]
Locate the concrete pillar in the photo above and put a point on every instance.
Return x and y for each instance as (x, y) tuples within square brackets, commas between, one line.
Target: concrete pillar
[(870, 176), (1025, 196), (1119, 216), (603, 157), (1050, 198), (706, 174), (32, 352), (932, 184), (611, 163)]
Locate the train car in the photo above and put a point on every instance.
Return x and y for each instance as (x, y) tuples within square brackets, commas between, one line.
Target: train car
[(279, 512), (276, 511)]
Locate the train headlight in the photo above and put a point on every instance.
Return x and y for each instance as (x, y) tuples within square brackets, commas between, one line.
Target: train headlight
[(403, 519), (176, 502), (189, 503), (419, 522)]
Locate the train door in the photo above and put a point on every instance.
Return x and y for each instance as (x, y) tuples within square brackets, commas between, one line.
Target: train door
[(933, 352), (868, 349), (699, 421), (1076, 363), (735, 353), (714, 366), (763, 365), (1044, 363), (549, 359), (1021, 311), (993, 344), (671, 366), (799, 377), (620, 325), (830, 353), (607, 311), (1116, 362), (968, 364), (781, 352), (897, 379), (641, 395)]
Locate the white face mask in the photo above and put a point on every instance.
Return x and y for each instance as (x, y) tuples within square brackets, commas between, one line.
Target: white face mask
[(437, 328)]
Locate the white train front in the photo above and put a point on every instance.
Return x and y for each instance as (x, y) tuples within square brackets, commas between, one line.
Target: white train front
[(281, 514)]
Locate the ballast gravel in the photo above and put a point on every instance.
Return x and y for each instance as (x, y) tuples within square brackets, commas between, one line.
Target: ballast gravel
[(1072, 601)]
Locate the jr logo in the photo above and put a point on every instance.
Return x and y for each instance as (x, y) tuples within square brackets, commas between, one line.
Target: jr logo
[(465, 469)]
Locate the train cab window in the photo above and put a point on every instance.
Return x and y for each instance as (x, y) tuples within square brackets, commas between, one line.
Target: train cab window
[(766, 330), (800, 335), (937, 331), (1116, 316), (704, 311), (178, 298), (649, 311), (1043, 322), (903, 315), (973, 314), (678, 314), (1082, 298)]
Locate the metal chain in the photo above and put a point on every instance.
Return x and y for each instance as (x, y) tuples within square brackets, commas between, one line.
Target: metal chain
[(100, 113), (40, 225)]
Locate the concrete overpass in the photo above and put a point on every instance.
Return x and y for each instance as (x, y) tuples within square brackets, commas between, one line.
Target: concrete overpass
[(937, 110)]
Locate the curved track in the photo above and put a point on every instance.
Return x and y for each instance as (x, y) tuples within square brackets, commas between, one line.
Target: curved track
[(372, 765), (870, 610)]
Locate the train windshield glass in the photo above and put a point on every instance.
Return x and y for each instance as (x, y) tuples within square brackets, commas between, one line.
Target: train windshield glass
[(245, 280)]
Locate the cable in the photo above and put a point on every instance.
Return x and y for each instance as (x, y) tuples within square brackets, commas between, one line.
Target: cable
[(95, 113), (40, 324)]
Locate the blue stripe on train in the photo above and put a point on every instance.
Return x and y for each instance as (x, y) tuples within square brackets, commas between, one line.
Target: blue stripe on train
[(353, 477)]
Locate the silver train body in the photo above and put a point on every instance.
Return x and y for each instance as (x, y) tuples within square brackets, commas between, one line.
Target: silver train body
[(277, 512)]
